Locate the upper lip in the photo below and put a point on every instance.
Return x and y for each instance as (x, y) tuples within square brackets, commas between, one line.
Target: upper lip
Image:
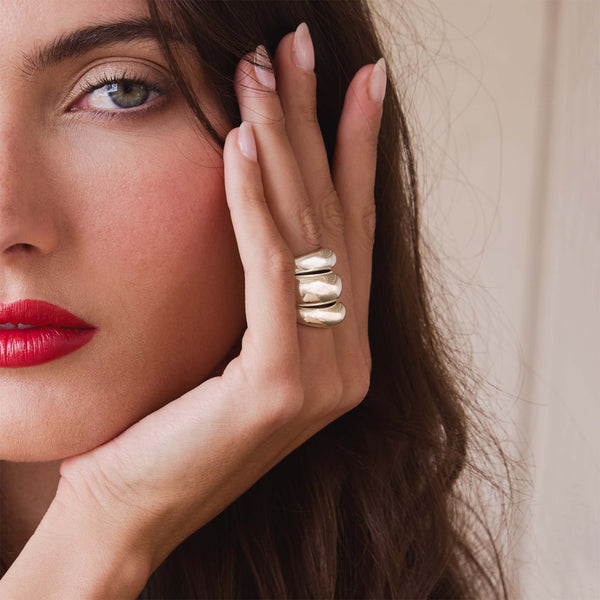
[(41, 314)]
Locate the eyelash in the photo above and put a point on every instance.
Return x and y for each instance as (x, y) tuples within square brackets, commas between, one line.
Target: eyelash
[(105, 80)]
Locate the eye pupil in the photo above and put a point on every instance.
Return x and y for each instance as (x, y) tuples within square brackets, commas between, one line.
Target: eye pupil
[(128, 94)]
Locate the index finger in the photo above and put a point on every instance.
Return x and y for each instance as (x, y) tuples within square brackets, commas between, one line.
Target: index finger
[(268, 263)]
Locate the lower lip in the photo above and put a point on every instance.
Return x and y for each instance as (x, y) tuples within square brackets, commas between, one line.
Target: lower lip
[(37, 345)]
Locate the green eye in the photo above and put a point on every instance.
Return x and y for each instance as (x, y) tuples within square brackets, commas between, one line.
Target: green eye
[(127, 94), (111, 94)]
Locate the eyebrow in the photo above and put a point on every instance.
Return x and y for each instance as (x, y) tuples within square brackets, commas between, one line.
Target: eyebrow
[(75, 43)]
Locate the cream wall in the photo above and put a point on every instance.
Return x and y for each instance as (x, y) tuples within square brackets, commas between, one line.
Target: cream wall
[(504, 98)]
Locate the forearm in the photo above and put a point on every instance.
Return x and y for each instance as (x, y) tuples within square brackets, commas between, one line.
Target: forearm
[(75, 558)]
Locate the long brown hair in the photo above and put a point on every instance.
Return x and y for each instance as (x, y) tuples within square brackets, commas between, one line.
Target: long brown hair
[(370, 507)]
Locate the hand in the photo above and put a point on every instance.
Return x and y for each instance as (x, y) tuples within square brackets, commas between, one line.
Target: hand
[(176, 469)]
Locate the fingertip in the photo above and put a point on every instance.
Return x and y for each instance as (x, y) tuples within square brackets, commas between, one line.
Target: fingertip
[(360, 120), (246, 141), (378, 82)]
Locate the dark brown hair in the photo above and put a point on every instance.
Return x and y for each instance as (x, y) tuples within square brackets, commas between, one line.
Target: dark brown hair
[(370, 506)]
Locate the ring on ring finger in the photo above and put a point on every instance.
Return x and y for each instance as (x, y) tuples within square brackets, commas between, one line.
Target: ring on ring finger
[(318, 290)]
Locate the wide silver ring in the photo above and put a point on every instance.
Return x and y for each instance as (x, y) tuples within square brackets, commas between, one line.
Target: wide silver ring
[(317, 290), (315, 262), (322, 316)]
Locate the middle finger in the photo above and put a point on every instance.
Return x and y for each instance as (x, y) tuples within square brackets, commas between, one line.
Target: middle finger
[(284, 187)]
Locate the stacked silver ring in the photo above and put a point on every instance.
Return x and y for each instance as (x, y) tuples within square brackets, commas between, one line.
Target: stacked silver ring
[(318, 289)]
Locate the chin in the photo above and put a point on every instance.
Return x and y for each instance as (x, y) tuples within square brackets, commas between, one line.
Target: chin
[(41, 445), (35, 431)]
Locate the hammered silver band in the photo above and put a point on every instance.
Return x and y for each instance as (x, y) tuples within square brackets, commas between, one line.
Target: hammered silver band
[(318, 289)]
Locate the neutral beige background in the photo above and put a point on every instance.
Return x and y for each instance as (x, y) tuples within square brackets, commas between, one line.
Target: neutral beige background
[(504, 98)]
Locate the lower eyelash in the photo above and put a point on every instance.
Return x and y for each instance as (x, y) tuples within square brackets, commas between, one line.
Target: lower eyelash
[(124, 113)]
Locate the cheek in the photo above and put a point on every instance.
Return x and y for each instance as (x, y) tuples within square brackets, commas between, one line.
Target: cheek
[(162, 220), (156, 230), (149, 203)]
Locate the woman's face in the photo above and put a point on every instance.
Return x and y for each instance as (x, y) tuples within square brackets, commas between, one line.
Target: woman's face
[(112, 206)]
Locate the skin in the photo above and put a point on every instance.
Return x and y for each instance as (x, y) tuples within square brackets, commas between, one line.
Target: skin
[(155, 433)]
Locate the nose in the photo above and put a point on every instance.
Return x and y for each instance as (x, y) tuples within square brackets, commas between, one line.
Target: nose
[(27, 225), (24, 230)]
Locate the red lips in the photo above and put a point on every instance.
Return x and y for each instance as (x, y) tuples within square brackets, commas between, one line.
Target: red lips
[(56, 332)]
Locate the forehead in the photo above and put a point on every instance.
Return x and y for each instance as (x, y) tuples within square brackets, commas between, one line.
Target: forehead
[(24, 23), (38, 13)]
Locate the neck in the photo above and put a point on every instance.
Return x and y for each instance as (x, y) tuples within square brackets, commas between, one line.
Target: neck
[(26, 491)]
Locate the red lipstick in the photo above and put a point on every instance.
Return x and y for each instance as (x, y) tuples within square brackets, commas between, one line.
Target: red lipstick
[(49, 333)]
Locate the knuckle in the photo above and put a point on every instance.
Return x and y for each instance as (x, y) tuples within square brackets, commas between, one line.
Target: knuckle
[(280, 262), (368, 223), (334, 389), (253, 195), (357, 382), (284, 403), (335, 393), (331, 208), (359, 386), (361, 389), (307, 112), (309, 224), (372, 142), (277, 376), (369, 139), (303, 108), (276, 123), (328, 398)]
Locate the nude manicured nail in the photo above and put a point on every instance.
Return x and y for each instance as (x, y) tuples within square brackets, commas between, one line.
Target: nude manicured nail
[(303, 51), (377, 82), (263, 68), (245, 140)]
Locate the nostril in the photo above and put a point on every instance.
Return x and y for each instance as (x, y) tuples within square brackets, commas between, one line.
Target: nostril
[(20, 248)]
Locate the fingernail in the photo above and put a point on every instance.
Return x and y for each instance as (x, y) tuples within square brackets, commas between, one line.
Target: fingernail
[(377, 82), (245, 140), (303, 52), (263, 68)]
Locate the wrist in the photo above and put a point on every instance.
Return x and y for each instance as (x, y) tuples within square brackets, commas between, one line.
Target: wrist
[(75, 554)]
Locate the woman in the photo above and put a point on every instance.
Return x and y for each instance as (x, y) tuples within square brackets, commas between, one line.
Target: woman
[(217, 443)]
